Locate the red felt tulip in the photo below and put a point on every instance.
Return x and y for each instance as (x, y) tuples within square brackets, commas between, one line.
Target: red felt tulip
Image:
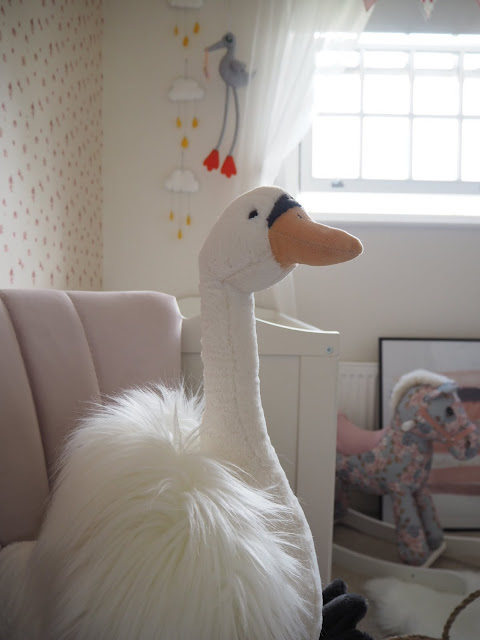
[(228, 167), (212, 161)]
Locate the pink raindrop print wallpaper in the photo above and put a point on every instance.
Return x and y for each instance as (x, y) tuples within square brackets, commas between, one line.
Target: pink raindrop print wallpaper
[(51, 144)]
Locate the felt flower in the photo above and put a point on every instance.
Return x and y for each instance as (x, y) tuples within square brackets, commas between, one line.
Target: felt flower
[(212, 161), (228, 167)]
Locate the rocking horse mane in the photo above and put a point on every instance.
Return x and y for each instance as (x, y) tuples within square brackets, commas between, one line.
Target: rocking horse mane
[(414, 378)]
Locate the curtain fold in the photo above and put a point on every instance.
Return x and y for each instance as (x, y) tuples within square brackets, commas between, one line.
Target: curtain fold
[(278, 102), (277, 109)]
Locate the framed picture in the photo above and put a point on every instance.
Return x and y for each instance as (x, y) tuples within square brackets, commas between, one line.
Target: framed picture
[(455, 484)]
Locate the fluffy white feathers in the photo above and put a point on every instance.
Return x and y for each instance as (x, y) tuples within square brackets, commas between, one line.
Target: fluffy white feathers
[(14, 560), (146, 537), (409, 608)]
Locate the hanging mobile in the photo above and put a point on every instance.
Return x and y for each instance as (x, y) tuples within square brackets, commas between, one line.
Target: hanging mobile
[(182, 183), (235, 75), (184, 91), (186, 4)]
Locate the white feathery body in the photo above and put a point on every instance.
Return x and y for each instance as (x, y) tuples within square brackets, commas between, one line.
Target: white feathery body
[(146, 537)]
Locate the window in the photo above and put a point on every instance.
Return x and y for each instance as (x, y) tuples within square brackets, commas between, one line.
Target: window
[(396, 113)]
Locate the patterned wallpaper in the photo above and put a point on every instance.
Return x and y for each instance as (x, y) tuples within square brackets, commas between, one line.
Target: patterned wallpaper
[(51, 144)]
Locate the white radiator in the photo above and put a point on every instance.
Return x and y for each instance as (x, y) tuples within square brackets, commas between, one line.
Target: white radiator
[(358, 392)]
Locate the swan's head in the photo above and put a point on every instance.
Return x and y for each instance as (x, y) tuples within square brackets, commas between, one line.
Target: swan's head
[(262, 236)]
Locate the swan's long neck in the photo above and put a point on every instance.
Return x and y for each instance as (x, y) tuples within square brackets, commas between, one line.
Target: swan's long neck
[(233, 426)]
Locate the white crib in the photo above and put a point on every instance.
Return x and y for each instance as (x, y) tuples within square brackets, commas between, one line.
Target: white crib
[(298, 380)]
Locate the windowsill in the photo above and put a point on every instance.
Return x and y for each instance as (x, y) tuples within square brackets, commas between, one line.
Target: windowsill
[(393, 208)]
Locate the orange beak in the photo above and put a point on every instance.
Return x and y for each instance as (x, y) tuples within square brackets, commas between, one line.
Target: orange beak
[(295, 238)]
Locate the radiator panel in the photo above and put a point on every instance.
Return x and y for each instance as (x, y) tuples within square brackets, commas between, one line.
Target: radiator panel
[(358, 392)]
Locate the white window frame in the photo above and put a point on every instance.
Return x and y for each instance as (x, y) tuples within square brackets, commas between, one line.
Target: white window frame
[(308, 183)]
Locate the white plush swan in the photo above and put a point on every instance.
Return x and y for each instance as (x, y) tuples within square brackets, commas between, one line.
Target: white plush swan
[(153, 532)]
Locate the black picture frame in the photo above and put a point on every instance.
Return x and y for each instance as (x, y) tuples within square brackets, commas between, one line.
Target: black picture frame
[(459, 359)]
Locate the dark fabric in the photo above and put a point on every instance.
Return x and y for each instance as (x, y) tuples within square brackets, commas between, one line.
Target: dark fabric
[(284, 203), (342, 612)]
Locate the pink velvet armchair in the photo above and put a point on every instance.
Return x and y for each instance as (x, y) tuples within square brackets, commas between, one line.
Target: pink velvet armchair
[(59, 351)]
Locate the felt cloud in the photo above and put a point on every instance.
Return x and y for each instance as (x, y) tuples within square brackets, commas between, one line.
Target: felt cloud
[(186, 4), (186, 89), (182, 181)]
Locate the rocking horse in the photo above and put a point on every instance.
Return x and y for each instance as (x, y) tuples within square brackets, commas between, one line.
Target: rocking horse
[(397, 459)]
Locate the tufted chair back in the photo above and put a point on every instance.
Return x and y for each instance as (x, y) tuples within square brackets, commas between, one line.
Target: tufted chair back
[(59, 351)]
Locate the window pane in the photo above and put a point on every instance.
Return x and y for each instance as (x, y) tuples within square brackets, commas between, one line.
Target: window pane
[(435, 60), (471, 61), (336, 147), (471, 96), (330, 59), (435, 149), (385, 153), (337, 93), (470, 147), (385, 59), (468, 40), (386, 93), (432, 39), (379, 38), (435, 95), (397, 107)]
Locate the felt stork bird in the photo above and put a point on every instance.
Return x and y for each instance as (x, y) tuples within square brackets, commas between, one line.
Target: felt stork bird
[(166, 522), (235, 75)]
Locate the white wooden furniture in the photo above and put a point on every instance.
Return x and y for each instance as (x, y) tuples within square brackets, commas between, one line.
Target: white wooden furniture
[(298, 380)]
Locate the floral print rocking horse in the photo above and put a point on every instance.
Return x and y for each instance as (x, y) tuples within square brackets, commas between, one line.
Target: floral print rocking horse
[(397, 460)]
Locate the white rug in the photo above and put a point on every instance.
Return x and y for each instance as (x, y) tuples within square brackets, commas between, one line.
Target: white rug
[(403, 608)]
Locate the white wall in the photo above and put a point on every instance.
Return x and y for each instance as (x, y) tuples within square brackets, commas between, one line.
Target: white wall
[(409, 282), (142, 57)]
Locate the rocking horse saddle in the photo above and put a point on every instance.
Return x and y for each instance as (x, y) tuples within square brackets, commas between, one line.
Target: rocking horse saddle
[(353, 440)]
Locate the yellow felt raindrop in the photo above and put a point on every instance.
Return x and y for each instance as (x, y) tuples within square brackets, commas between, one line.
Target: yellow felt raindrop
[(171, 216), (179, 234), (186, 41), (175, 31), (185, 142), (195, 122), (178, 123), (196, 27), (189, 221)]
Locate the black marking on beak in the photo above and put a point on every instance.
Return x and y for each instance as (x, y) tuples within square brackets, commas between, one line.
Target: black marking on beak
[(284, 203)]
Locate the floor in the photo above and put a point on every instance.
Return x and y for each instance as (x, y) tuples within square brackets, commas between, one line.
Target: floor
[(356, 582)]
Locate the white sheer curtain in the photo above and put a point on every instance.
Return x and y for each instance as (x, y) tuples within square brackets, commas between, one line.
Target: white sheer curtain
[(277, 109)]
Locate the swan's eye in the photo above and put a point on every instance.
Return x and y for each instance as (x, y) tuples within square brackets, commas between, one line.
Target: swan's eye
[(253, 214), (449, 411)]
